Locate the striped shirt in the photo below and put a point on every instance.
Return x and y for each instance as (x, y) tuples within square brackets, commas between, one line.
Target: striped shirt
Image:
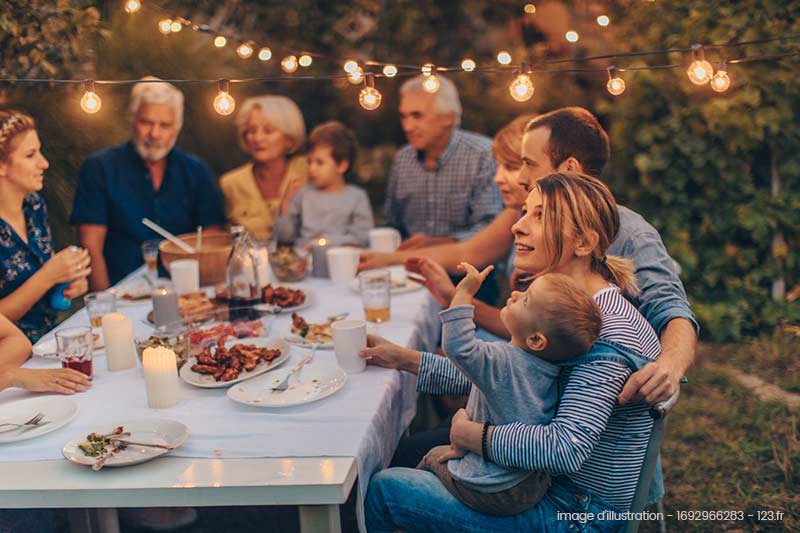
[(598, 444), (456, 199)]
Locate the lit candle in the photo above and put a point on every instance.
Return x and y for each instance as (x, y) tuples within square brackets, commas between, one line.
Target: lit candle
[(160, 377), (118, 338), (165, 306), (319, 258)]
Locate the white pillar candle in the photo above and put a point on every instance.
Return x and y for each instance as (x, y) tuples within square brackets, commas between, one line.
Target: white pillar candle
[(160, 377), (165, 306), (263, 266), (118, 338)]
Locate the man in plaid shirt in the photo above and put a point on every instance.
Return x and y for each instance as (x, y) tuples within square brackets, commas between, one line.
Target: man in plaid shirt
[(441, 186)]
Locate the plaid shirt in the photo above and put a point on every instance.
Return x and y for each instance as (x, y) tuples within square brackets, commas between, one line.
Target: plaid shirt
[(457, 199)]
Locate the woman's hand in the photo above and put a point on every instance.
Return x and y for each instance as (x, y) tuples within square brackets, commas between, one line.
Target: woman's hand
[(383, 353), (453, 453), (435, 279), (79, 287), (60, 380), (69, 264)]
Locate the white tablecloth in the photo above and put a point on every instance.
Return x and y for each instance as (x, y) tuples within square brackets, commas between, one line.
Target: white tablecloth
[(363, 420)]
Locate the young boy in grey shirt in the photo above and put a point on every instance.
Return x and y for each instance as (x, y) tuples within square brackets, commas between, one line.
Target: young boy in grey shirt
[(328, 207), (515, 381)]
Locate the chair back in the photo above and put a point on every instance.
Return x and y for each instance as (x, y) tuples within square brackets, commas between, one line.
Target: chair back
[(658, 413)]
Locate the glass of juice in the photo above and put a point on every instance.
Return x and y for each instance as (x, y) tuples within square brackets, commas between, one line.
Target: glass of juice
[(150, 254), (75, 349), (99, 304), (376, 294)]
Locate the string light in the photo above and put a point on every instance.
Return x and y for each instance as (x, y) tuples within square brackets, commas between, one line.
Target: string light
[(430, 84), (390, 71), (165, 26), (305, 60), (132, 6), (224, 104), (427, 69), (289, 64), (90, 102), (615, 85), (720, 81), (572, 36), (175, 27), (700, 71), (357, 76), (503, 57), (369, 97), (603, 20), (530, 9), (350, 66), (220, 41), (265, 54), (468, 65), (245, 50), (521, 88)]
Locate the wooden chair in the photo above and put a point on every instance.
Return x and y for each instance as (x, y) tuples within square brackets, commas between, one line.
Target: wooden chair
[(658, 413)]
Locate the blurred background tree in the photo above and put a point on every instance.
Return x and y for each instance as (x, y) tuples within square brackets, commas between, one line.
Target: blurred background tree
[(716, 174)]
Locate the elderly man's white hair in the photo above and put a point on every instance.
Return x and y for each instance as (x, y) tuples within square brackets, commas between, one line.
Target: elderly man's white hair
[(445, 100), (156, 92)]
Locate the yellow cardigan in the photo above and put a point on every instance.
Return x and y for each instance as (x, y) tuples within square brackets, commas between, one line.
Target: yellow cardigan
[(243, 200)]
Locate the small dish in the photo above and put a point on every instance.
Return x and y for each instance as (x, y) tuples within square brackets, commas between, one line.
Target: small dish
[(207, 381), (48, 349), (57, 410), (313, 383)]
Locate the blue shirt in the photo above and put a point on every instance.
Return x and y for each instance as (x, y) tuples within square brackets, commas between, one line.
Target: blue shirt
[(115, 190), (457, 198), (20, 260)]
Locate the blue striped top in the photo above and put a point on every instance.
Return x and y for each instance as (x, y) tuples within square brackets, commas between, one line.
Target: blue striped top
[(598, 444)]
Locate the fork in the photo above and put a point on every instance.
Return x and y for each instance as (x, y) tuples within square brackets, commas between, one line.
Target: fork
[(284, 383), (35, 421)]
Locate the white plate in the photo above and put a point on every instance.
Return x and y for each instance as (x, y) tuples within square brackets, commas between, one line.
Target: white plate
[(207, 381), (410, 286), (150, 430), (297, 340), (133, 291), (309, 301), (314, 382), (47, 347), (58, 410)]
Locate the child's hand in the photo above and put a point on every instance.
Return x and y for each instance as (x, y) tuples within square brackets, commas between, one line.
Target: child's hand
[(473, 280), (453, 453)]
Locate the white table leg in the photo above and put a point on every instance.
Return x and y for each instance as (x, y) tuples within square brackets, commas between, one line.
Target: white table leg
[(319, 519)]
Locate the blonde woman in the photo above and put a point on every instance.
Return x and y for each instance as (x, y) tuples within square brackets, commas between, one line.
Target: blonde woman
[(271, 131)]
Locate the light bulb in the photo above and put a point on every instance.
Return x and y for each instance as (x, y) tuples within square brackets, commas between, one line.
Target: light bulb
[(430, 84), (572, 36), (369, 98), (503, 57), (244, 50), (521, 88), (427, 69), (265, 54), (530, 9), (220, 41), (224, 104), (165, 26), (305, 60), (132, 6), (603, 20), (356, 77), (289, 64), (616, 86), (720, 82), (468, 65), (90, 102), (700, 72), (175, 27), (350, 66), (390, 71)]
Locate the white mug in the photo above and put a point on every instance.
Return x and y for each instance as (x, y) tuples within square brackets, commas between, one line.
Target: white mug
[(384, 239), (185, 274), (343, 264), (349, 338)]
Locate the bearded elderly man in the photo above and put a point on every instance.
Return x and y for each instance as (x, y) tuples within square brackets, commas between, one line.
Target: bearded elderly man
[(144, 177)]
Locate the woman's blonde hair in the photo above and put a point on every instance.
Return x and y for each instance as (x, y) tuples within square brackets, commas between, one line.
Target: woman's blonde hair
[(12, 124), (281, 112), (592, 209), (507, 143)]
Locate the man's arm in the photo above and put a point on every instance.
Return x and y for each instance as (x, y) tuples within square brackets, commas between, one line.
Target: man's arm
[(93, 238)]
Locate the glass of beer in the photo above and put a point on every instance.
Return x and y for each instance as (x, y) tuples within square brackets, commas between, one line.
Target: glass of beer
[(75, 349), (376, 294), (150, 254), (99, 304)]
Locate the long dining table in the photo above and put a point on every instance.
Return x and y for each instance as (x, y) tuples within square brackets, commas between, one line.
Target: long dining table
[(311, 455)]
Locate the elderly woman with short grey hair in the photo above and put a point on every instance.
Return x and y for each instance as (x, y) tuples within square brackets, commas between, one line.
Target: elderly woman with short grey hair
[(271, 130), (144, 177)]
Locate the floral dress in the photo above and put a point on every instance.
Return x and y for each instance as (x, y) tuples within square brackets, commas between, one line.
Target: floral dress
[(20, 260)]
